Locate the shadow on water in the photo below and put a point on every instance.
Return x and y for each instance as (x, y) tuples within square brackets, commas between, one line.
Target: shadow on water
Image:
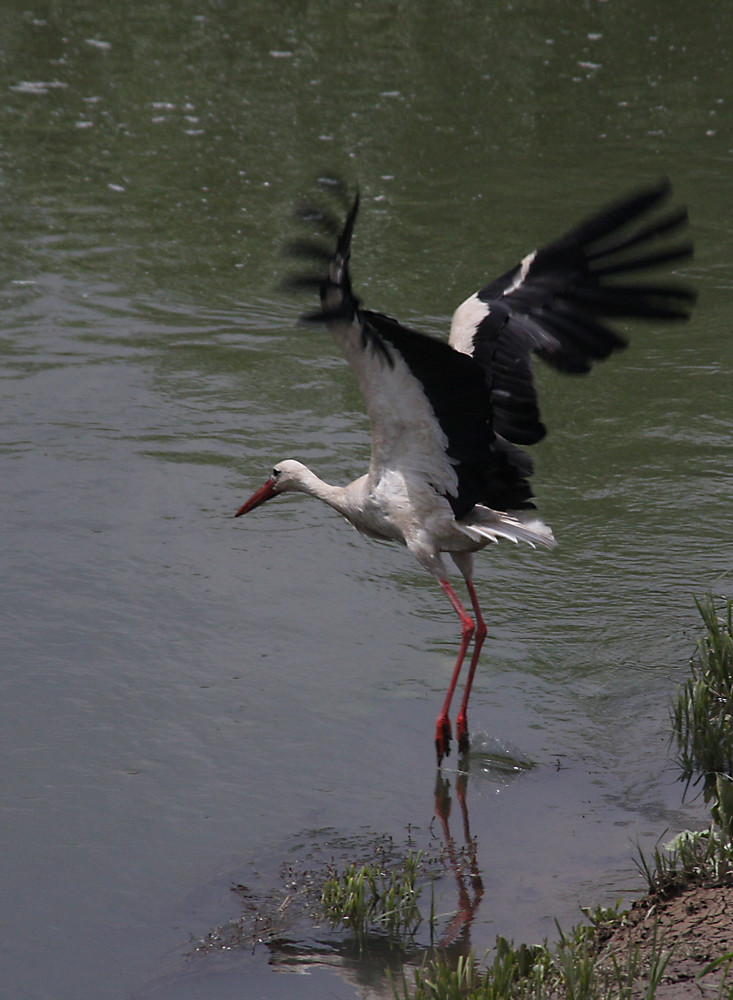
[(281, 925)]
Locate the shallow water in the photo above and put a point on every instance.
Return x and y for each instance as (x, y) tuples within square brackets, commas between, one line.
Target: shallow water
[(186, 697)]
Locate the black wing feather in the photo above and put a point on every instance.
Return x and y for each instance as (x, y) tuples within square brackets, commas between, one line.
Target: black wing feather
[(556, 303)]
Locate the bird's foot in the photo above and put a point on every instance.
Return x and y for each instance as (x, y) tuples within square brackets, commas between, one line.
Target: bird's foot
[(442, 737), (462, 734)]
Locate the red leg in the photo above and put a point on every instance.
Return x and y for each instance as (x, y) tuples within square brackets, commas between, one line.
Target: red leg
[(442, 725), (461, 720)]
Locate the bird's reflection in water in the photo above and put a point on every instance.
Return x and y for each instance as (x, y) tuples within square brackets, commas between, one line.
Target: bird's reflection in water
[(488, 757), (462, 861)]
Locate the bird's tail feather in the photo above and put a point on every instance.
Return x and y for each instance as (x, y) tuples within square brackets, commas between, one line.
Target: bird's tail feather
[(489, 525)]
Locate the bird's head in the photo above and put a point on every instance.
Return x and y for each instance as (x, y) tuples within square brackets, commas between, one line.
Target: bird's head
[(286, 477)]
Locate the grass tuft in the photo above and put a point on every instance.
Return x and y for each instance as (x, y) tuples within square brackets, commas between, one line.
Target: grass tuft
[(574, 971), (371, 900), (702, 716)]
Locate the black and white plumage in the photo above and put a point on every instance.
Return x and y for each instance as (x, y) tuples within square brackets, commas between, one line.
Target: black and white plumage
[(447, 474)]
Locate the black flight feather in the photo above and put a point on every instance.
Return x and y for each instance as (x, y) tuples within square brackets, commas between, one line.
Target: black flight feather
[(555, 304)]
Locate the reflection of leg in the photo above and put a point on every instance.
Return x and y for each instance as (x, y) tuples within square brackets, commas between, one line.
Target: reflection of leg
[(442, 725), (462, 720), (476, 881), (459, 927), (442, 803)]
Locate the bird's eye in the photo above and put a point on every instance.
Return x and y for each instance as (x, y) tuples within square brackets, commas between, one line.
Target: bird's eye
[(275, 473)]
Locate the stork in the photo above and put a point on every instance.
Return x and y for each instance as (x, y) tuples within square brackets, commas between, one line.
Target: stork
[(447, 474)]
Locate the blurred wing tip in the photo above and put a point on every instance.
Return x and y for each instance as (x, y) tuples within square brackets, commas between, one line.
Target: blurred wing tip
[(334, 185), (306, 248), (332, 182), (301, 282), (318, 216)]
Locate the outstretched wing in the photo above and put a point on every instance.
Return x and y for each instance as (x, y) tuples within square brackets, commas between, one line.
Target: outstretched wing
[(557, 301), (429, 406)]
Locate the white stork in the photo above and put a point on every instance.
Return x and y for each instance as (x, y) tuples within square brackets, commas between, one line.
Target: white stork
[(446, 473)]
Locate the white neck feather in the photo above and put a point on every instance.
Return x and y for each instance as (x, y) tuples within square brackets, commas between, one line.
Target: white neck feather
[(298, 478)]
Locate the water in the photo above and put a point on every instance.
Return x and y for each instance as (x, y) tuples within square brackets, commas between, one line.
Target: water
[(186, 697)]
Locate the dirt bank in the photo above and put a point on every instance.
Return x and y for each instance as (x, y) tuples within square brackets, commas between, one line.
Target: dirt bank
[(695, 925)]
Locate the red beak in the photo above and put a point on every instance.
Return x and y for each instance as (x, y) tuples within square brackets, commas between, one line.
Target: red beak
[(266, 492)]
